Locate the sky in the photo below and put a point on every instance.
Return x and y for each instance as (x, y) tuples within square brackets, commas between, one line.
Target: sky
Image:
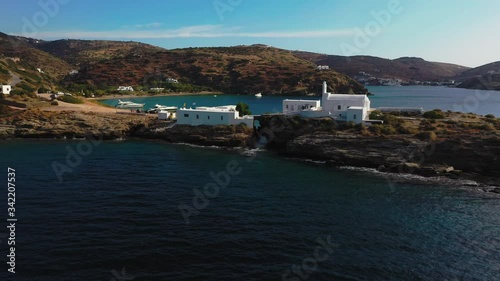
[(464, 32)]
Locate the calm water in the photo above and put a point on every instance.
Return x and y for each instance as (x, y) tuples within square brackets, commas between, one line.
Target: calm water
[(118, 209), (463, 100)]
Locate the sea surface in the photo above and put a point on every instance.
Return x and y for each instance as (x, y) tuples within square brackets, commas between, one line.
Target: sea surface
[(113, 214), (455, 99)]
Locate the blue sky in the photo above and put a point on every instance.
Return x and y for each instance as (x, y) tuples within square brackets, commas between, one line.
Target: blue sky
[(457, 31)]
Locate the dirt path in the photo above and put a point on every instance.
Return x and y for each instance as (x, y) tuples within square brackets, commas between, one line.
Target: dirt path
[(85, 107)]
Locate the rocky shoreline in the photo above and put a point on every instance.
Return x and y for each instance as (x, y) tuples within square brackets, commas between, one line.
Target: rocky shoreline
[(474, 157)]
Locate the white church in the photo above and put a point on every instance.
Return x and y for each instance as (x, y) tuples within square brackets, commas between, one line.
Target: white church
[(349, 108)]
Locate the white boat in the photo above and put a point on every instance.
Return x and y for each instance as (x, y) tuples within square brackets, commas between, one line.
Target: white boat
[(258, 95), (129, 104), (159, 107)]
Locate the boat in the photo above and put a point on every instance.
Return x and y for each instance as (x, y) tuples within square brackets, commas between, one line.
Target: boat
[(258, 95), (159, 107), (129, 104)]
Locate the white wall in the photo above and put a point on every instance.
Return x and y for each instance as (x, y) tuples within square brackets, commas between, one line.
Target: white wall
[(296, 106), (6, 89), (204, 117), (337, 105), (356, 115)]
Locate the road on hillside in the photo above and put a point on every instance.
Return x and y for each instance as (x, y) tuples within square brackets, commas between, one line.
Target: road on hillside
[(15, 79)]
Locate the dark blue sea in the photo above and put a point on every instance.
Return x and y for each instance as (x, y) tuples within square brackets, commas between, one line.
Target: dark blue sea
[(115, 214)]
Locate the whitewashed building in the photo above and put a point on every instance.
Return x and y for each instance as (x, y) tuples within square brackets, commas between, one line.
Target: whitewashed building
[(353, 108), (166, 115), (172, 80), (6, 89), (297, 106), (125, 88), (220, 115)]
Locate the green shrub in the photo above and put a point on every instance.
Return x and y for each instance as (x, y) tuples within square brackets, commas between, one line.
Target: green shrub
[(390, 119), (427, 136), (376, 129), (374, 115), (70, 99), (389, 130), (490, 116), (434, 114), (54, 103)]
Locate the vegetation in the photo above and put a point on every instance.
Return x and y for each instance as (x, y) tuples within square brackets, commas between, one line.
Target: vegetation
[(243, 109), (70, 99), (434, 114), (490, 116)]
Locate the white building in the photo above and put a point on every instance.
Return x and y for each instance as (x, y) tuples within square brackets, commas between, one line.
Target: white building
[(166, 115), (322, 67), (172, 80), (157, 89), (6, 89), (125, 88), (336, 105), (354, 108), (297, 106), (220, 115)]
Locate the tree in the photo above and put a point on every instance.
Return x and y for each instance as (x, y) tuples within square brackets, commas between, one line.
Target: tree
[(243, 109)]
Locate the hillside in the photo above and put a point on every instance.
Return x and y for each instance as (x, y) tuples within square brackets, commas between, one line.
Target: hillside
[(106, 64), (80, 52), (20, 61), (407, 68), (486, 77), (241, 69)]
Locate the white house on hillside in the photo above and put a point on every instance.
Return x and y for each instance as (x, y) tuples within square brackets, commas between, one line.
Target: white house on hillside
[(353, 108), (125, 88), (220, 115), (6, 89)]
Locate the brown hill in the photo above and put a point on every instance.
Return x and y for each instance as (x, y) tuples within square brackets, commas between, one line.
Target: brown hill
[(79, 52), (486, 77), (241, 69), (19, 60), (406, 68)]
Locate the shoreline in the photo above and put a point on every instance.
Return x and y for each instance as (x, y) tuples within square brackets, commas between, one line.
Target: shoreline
[(129, 96)]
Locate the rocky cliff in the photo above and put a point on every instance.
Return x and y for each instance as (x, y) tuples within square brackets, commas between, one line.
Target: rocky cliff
[(466, 156)]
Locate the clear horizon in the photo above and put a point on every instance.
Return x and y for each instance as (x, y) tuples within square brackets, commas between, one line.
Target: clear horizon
[(458, 32)]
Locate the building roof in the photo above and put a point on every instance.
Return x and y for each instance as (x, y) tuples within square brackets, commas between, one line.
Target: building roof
[(225, 108), (346, 97)]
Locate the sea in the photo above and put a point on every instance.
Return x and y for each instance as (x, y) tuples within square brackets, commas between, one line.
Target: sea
[(426, 97), (148, 210)]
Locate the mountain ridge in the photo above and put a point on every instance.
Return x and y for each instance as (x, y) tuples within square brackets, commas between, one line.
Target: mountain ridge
[(104, 64)]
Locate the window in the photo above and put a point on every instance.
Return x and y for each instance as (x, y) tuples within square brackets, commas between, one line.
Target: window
[(197, 116), (339, 107), (354, 117), (222, 118), (287, 106), (340, 115), (208, 117), (186, 115)]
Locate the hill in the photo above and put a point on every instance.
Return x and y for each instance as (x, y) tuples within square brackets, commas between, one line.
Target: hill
[(80, 52), (89, 64), (406, 68), (486, 77), (241, 69), (32, 68)]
